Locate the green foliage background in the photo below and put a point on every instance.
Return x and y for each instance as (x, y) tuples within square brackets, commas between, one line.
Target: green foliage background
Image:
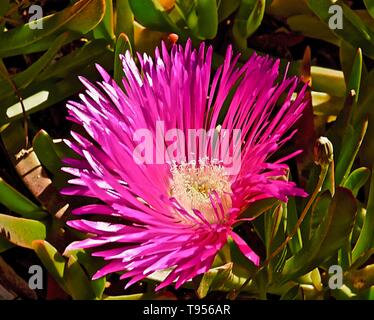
[(39, 70)]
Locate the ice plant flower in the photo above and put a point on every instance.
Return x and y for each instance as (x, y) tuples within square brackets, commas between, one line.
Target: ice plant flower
[(177, 215)]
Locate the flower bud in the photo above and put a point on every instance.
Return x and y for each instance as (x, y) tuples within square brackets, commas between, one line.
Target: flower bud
[(323, 151)]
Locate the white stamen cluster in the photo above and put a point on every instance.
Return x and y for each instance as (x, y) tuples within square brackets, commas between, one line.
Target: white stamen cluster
[(193, 184)]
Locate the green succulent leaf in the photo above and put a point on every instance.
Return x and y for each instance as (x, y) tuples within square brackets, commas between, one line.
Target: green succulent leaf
[(18, 203), (48, 93), (312, 27), (319, 211), (247, 20), (226, 8), (351, 141), (151, 14), (356, 74), (124, 20), (105, 29), (214, 279), (342, 131), (72, 63), (203, 21), (52, 260), (328, 237), (295, 243), (77, 282), (44, 148), (25, 78), (47, 153), (366, 238), (354, 31), (80, 18), (354, 69), (357, 179), (362, 259), (21, 232), (91, 265), (325, 104), (328, 80), (258, 207), (287, 8), (123, 44), (370, 6), (273, 220)]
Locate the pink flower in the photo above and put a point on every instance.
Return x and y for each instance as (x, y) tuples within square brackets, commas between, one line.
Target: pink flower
[(177, 215)]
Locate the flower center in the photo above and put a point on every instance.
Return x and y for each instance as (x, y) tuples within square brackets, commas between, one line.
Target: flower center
[(193, 184)]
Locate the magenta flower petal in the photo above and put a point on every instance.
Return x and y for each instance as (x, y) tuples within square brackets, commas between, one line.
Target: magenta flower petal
[(175, 213)]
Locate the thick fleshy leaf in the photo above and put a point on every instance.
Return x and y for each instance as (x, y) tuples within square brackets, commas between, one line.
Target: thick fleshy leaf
[(25, 78), (52, 260), (351, 141), (354, 31), (47, 93), (370, 6), (362, 259), (328, 237), (18, 203), (77, 281), (295, 243), (81, 17), (341, 132), (310, 26), (214, 279), (247, 20), (325, 104), (357, 179), (72, 63), (46, 152), (354, 69), (203, 20), (105, 29), (21, 232), (258, 207), (44, 148), (124, 20), (91, 265), (287, 8), (319, 211), (366, 94), (151, 14), (273, 220), (366, 238), (356, 75), (226, 8), (275, 235), (122, 45), (328, 80)]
